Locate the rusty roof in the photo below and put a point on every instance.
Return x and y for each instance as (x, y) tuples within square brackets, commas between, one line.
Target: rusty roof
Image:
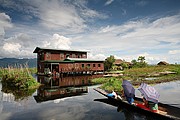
[(58, 50)]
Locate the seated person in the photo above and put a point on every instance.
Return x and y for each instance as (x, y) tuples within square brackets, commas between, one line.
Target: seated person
[(153, 106), (130, 100), (143, 105), (148, 105), (145, 102), (113, 94)]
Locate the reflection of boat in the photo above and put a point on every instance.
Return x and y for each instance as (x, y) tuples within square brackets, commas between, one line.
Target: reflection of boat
[(166, 111), (46, 94)]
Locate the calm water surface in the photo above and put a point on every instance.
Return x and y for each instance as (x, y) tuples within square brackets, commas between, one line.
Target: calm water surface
[(66, 99)]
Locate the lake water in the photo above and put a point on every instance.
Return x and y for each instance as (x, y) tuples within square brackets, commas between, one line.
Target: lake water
[(73, 99)]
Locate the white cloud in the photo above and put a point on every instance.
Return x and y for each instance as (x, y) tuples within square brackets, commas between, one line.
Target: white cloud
[(142, 3), (134, 37), (88, 13), (18, 46), (96, 56), (126, 41), (108, 2), (5, 23), (174, 52), (12, 47), (58, 42), (57, 15), (66, 16), (150, 58)]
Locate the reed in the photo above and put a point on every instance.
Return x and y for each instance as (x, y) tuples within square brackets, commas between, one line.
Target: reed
[(18, 76)]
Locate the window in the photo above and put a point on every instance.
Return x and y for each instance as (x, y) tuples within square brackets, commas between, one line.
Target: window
[(41, 56), (61, 56), (73, 55), (94, 65), (82, 65), (88, 66), (48, 55), (99, 65), (84, 55)]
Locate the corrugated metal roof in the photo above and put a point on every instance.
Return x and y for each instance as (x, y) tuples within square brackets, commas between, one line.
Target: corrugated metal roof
[(47, 49)]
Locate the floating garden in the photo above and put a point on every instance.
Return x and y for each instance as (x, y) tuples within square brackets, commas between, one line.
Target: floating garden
[(150, 75)]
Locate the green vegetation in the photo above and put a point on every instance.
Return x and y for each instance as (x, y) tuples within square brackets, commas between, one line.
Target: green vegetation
[(159, 72), (113, 84), (32, 70), (18, 94), (109, 83), (108, 63), (156, 74), (139, 63), (19, 78)]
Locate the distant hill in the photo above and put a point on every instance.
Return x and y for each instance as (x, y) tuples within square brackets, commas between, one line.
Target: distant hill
[(5, 62)]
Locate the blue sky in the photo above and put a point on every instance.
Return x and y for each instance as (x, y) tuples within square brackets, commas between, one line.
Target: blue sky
[(123, 28)]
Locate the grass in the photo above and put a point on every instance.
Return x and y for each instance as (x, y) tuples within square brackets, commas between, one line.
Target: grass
[(20, 77), (138, 75), (109, 84), (113, 84)]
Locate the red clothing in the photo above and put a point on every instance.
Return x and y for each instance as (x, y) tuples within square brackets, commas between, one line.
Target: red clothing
[(142, 106), (145, 107)]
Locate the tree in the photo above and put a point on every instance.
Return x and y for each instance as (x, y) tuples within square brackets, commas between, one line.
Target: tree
[(141, 59), (140, 62), (124, 65), (108, 63), (134, 62)]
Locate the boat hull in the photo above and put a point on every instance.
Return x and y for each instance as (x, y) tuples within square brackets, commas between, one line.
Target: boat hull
[(172, 113)]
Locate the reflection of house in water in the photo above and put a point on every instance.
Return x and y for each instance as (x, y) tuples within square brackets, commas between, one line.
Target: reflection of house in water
[(69, 81), (66, 62), (61, 87), (46, 94)]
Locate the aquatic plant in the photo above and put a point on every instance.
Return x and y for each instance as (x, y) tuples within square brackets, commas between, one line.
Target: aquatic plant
[(19, 77), (113, 84)]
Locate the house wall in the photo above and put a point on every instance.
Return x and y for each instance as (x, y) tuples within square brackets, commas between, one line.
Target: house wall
[(62, 55), (67, 67), (78, 67)]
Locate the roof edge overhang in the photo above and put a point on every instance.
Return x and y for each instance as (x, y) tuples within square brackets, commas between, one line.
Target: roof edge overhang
[(59, 50)]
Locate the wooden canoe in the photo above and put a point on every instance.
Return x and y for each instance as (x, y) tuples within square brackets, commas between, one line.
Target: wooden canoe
[(166, 112)]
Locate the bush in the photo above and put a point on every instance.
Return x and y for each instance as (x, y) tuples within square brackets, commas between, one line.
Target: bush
[(113, 84), (18, 77)]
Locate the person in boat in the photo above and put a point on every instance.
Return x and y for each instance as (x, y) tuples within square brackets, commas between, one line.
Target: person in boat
[(148, 105), (145, 102), (130, 100), (113, 94), (153, 106)]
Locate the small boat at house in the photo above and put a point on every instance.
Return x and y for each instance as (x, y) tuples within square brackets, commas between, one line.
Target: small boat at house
[(166, 112)]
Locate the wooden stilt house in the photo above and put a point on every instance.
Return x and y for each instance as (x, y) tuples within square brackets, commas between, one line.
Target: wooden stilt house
[(55, 61)]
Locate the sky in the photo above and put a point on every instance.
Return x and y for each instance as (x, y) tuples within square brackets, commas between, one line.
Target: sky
[(125, 29)]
